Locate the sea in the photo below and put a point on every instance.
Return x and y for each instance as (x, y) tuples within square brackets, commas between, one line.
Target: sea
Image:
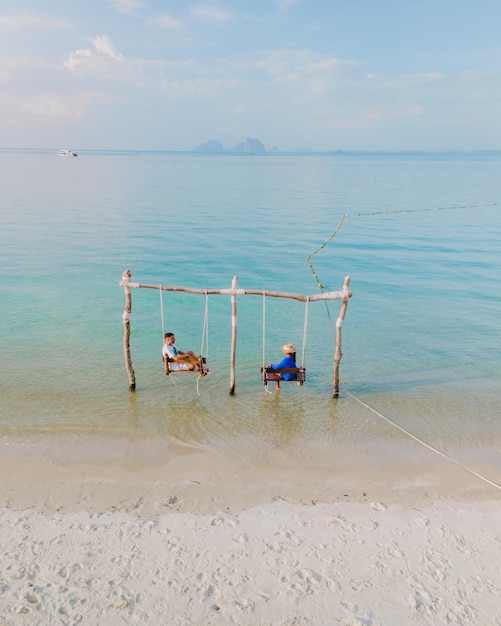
[(417, 233)]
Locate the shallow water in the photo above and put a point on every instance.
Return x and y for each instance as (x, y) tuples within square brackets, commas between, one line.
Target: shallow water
[(421, 338)]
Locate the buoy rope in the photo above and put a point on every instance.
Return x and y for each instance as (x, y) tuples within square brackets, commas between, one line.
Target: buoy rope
[(308, 258), (382, 212), (423, 443)]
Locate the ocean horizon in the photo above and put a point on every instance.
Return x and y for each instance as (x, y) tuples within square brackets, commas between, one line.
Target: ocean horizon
[(274, 152)]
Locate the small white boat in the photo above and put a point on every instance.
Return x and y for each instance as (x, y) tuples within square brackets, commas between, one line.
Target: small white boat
[(66, 153)]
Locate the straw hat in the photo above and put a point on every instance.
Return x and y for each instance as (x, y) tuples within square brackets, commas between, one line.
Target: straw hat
[(288, 348)]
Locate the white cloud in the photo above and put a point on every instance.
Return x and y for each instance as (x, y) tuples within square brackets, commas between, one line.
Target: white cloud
[(103, 45), (414, 110), (127, 6), (85, 60), (409, 80), (285, 4), (104, 63), (196, 87), (185, 66), (286, 64), (302, 75), (76, 59), (31, 21), (302, 89), (35, 109), (338, 119), (243, 108), (210, 13), (167, 21), (10, 67), (51, 105)]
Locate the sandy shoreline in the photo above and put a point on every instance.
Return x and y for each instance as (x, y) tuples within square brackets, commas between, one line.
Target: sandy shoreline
[(202, 541)]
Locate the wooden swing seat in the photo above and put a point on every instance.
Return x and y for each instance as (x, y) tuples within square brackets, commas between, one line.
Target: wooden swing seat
[(268, 374), (200, 365)]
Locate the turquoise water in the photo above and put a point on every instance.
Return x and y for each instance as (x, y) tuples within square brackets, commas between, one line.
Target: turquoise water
[(421, 339)]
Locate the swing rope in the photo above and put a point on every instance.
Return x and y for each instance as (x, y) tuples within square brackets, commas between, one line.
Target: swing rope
[(264, 329), (266, 390), (162, 310), (163, 323), (305, 334), (305, 330), (205, 329), (423, 443)]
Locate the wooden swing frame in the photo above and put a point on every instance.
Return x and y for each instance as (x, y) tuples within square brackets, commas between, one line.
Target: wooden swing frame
[(344, 295)]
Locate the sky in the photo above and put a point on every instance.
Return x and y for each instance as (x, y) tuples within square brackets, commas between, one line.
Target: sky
[(319, 75)]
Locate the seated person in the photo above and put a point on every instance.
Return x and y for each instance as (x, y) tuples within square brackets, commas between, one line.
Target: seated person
[(178, 356), (288, 361)]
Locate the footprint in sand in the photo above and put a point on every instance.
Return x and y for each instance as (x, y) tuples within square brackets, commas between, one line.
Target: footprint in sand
[(462, 588), (32, 598), (342, 523), (220, 519), (459, 542), (361, 583), (378, 506), (426, 603), (393, 551), (484, 585), (349, 606)]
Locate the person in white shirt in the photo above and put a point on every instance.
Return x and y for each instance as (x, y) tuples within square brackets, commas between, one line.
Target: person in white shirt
[(178, 356)]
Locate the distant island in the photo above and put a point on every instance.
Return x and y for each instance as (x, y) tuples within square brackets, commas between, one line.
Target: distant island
[(249, 146)]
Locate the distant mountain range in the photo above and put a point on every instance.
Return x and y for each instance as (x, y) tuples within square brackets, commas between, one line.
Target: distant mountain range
[(249, 146)]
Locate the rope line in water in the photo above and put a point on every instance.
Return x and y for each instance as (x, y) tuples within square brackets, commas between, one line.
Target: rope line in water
[(374, 213), (320, 286), (308, 258), (426, 210), (426, 445)]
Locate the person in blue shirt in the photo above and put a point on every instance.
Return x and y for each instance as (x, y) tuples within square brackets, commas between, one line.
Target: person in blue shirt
[(288, 361)]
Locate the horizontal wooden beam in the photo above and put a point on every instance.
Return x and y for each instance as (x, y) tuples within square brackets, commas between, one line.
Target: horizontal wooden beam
[(343, 294)]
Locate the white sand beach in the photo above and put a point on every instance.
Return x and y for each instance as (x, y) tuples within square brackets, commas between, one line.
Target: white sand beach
[(198, 541)]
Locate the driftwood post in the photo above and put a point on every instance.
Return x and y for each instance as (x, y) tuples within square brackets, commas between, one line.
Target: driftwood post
[(234, 285), (126, 276), (339, 323)]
